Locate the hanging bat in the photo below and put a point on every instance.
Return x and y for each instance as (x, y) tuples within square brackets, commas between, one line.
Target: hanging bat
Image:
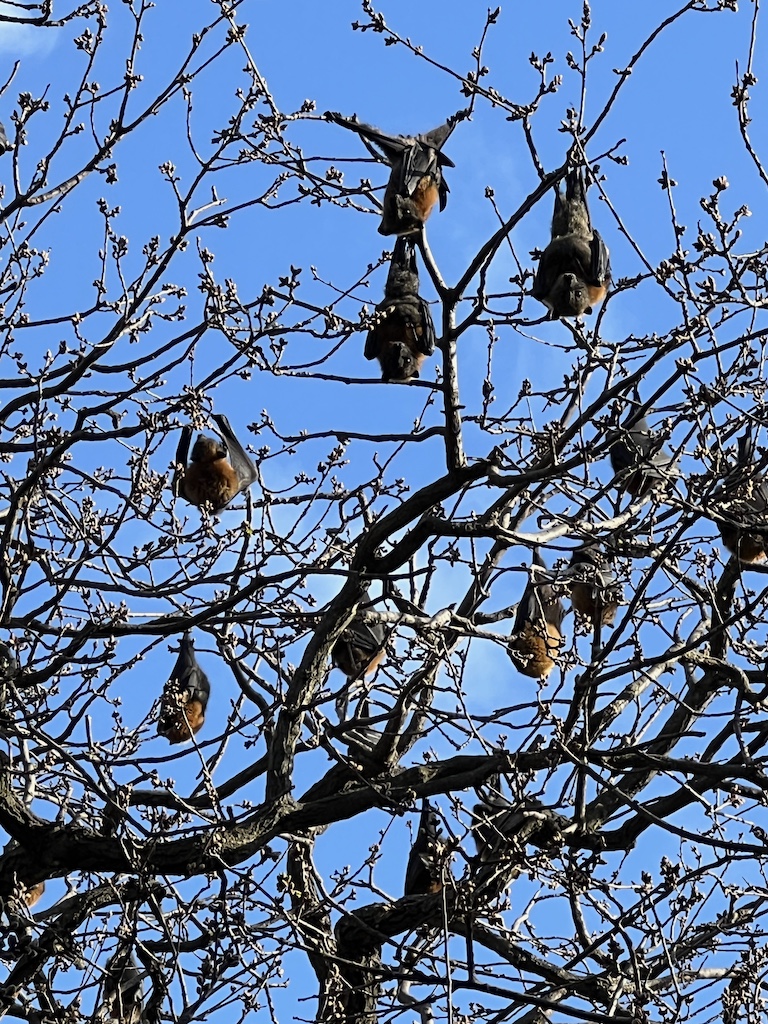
[(536, 638), (405, 335), (639, 459), (574, 271), (424, 873), (744, 526), (595, 593), (122, 995), (185, 697), (360, 648), (5, 145), (218, 470), (416, 182)]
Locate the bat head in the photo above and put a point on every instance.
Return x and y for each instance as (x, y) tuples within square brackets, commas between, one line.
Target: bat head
[(569, 296), (399, 363), (207, 449)]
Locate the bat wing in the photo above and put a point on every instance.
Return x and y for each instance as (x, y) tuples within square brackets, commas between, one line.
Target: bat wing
[(495, 820), (539, 604), (590, 562), (589, 567), (437, 138), (372, 348), (423, 867), (543, 280), (356, 733), (182, 457), (427, 339), (640, 448), (238, 457), (416, 161), (188, 675), (600, 264), (747, 486), (649, 446), (750, 507), (528, 610), (391, 146), (443, 191), (631, 446), (369, 636)]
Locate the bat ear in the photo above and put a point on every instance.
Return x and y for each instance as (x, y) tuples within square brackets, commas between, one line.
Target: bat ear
[(588, 311), (415, 374)]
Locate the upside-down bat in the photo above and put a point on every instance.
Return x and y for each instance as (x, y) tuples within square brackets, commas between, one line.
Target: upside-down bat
[(416, 182), (405, 335), (218, 470), (424, 873), (536, 639), (185, 697), (574, 271)]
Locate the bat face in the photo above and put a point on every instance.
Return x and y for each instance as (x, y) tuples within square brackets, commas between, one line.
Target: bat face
[(208, 449), (569, 296), (398, 360), (565, 280)]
